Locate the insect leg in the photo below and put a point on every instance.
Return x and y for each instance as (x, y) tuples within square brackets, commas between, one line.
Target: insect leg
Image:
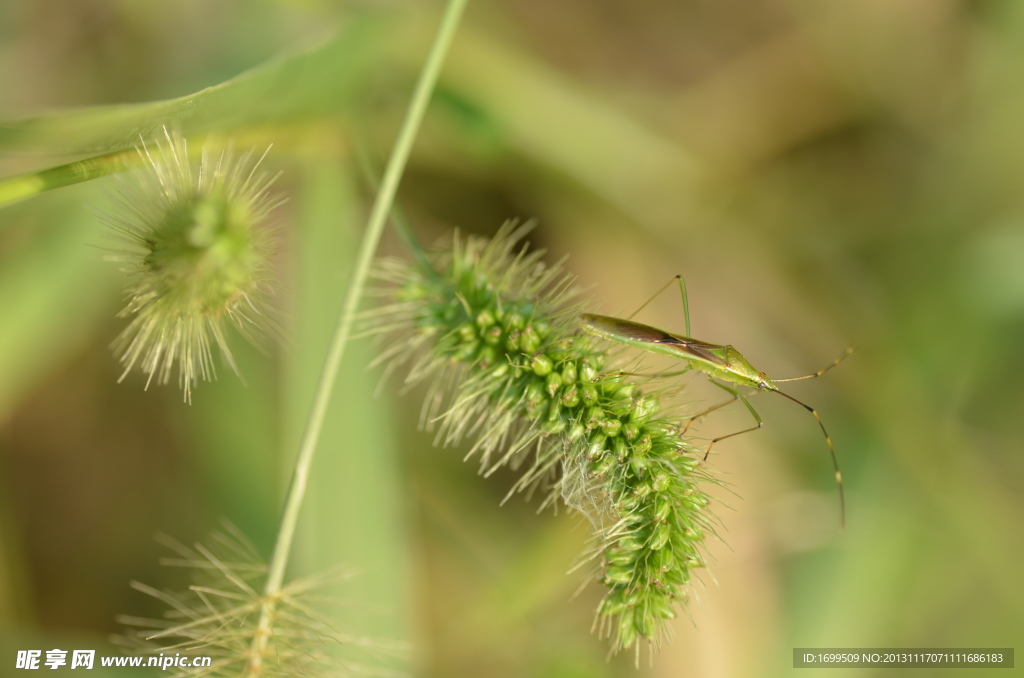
[(736, 395), (689, 422), (682, 293), (686, 303)]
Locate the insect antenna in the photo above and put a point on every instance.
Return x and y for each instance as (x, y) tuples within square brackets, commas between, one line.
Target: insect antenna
[(822, 370), (831, 451)]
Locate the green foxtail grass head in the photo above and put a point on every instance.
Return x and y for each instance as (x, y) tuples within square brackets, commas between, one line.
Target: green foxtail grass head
[(193, 241), (495, 332)]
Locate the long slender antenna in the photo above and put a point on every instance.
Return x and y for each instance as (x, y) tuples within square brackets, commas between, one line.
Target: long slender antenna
[(822, 370), (831, 451)]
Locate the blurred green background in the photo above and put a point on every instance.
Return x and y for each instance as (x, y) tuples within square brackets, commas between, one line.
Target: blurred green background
[(823, 174)]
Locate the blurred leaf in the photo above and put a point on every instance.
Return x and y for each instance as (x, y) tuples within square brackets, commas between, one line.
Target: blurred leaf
[(320, 81)]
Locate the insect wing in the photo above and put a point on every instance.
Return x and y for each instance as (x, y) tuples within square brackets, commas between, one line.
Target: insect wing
[(618, 329)]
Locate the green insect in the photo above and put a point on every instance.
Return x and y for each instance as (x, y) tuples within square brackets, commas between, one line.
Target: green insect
[(723, 365)]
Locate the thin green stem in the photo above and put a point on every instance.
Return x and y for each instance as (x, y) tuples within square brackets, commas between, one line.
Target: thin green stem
[(27, 185), (371, 237)]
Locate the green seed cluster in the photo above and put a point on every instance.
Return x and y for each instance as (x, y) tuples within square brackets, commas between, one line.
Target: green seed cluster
[(530, 387)]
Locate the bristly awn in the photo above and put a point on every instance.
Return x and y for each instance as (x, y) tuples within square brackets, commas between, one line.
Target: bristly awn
[(721, 363)]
